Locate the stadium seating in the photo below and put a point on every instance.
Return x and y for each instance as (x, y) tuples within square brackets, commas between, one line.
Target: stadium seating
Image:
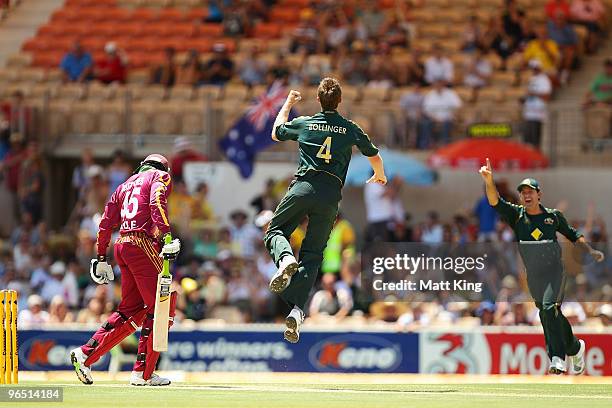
[(144, 28)]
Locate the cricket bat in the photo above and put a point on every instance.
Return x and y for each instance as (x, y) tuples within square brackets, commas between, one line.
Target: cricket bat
[(161, 314)]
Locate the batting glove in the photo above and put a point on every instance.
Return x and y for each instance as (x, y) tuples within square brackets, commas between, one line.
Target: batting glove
[(101, 272), (170, 251)]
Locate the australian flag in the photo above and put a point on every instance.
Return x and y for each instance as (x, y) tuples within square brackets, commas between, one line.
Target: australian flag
[(251, 133)]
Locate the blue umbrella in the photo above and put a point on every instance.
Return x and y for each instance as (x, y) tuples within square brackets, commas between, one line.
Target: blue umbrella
[(398, 164)]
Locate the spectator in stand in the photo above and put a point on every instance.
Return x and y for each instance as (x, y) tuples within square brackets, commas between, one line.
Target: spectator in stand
[(545, 51), (118, 171), (432, 231), (487, 220), (280, 70), (203, 210), (477, 72), (486, 313), (336, 29), (112, 67), (383, 208), (311, 69), (342, 238), (354, 67), (604, 313), (11, 166), (497, 40), (236, 21), (372, 17), (214, 13), (411, 104), (268, 200), (165, 74), (77, 64), (383, 72), (190, 71), (253, 70), (31, 183), (395, 32), (439, 107), (80, 181), (333, 299), (59, 312), (514, 21), (34, 315), (98, 192), (306, 34), (93, 314), (539, 91), (17, 115), (472, 35), (413, 71), (54, 286), (244, 233), (184, 152), (438, 67), (600, 90), (220, 68), (566, 38), (181, 207), (592, 15), (554, 7)]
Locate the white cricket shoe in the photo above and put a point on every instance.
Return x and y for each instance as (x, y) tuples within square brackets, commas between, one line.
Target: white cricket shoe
[(557, 366), (577, 360), (77, 358), (154, 381), (293, 321), (287, 267)]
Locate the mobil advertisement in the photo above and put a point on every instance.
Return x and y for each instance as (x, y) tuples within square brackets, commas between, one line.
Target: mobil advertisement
[(503, 353), (200, 350)]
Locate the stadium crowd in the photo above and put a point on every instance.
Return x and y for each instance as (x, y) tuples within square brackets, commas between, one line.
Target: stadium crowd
[(223, 270)]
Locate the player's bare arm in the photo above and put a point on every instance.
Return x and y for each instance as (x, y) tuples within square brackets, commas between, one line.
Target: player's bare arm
[(582, 243), (379, 170), (486, 172), (283, 115)]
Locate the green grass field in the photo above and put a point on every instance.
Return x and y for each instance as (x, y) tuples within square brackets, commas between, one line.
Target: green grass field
[(295, 394)]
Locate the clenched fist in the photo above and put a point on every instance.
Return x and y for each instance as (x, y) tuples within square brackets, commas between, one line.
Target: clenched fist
[(293, 97)]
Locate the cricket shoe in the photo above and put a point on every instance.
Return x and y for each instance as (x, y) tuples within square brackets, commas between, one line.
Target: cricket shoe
[(287, 267), (154, 381), (577, 360), (77, 358), (293, 321), (557, 366)]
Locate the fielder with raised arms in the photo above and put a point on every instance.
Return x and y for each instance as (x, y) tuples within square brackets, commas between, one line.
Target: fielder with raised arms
[(139, 208), (535, 228)]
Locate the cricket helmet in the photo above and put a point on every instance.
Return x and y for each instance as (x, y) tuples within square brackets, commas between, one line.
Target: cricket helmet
[(157, 161)]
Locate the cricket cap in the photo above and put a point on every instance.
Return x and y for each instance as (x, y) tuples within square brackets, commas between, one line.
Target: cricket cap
[(529, 182)]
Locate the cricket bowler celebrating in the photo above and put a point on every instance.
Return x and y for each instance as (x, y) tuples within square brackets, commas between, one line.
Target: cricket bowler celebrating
[(325, 146), (535, 228), (138, 208)]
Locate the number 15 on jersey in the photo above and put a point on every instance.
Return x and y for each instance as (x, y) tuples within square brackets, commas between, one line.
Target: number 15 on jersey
[(325, 150)]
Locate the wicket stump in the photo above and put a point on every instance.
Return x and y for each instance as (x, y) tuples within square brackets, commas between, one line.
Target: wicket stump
[(9, 358)]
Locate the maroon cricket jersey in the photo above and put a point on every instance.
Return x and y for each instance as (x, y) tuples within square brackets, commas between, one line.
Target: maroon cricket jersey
[(138, 205)]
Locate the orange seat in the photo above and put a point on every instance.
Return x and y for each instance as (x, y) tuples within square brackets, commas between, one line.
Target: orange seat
[(143, 44), (172, 14), (81, 29), (65, 14), (132, 29), (54, 29), (197, 14), (181, 30), (36, 44), (62, 43), (47, 59), (105, 29), (199, 44), (296, 3), (159, 29), (267, 30), (143, 15), (118, 15), (208, 30), (94, 44), (285, 15), (91, 14)]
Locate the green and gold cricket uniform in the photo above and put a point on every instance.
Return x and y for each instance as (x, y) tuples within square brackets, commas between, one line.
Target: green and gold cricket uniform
[(541, 254), (325, 147)]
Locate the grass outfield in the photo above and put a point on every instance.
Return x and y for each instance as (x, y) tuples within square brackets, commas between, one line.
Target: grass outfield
[(269, 391)]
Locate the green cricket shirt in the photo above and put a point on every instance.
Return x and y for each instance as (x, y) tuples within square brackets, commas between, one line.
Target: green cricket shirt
[(325, 142), (544, 258)]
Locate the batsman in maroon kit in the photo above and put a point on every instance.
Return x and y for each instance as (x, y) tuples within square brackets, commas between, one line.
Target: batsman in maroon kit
[(139, 208)]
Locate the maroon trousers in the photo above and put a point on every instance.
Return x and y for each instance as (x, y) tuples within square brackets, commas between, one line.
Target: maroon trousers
[(138, 258)]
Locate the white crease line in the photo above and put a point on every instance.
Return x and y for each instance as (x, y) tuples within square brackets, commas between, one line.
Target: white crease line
[(238, 388)]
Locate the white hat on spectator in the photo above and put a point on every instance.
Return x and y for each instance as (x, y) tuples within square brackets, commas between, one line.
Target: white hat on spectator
[(263, 218), (110, 47), (94, 171), (534, 63), (35, 300), (219, 47), (58, 268), (181, 144), (604, 310)]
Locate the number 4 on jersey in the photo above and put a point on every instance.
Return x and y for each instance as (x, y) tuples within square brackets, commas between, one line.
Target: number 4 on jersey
[(325, 150)]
